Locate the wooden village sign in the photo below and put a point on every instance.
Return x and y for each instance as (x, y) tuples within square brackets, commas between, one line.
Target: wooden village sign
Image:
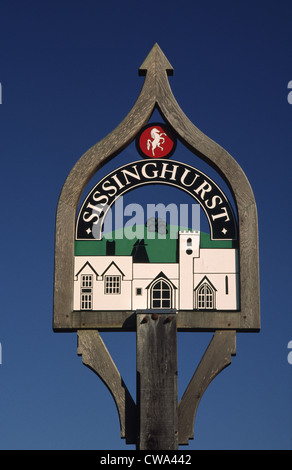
[(204, 289)]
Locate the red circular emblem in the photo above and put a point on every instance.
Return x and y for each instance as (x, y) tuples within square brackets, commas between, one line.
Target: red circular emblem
[(155, 141)]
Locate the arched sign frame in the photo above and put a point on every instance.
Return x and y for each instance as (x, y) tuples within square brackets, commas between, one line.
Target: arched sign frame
[(156, 93), (101, 203)]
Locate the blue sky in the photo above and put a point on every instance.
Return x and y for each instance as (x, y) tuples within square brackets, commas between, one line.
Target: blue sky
[(69, 75)]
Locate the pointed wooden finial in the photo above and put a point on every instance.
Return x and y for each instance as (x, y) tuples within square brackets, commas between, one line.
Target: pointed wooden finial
[(154, 59)]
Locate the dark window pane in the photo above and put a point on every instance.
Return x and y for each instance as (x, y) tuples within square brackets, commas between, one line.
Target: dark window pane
[(166, 294)]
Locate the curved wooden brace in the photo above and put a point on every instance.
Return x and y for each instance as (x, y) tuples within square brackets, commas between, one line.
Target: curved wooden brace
[(217, 356), (156, 91), (96, 356)]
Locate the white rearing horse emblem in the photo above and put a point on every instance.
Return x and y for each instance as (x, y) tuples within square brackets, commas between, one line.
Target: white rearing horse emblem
[(157, 140)]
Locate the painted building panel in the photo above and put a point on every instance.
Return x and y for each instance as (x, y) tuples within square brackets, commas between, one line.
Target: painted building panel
[(216, 260), (150, 271), (202, 279)]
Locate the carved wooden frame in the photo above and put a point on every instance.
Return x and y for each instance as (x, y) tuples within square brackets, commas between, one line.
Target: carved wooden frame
[(156, 92)]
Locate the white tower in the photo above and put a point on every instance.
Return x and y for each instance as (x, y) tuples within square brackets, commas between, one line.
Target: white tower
[(189, 248)]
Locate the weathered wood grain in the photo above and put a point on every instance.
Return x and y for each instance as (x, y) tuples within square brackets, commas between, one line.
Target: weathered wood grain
[(157, 381), (187, 320)]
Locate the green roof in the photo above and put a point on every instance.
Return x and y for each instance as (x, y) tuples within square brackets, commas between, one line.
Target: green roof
[(160, 249)]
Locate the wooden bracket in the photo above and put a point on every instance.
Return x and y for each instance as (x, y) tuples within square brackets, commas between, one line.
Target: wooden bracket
[(217, 356), (96, 356), (156, 422)]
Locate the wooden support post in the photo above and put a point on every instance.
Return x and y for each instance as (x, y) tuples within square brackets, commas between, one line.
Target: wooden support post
[(157, 380)]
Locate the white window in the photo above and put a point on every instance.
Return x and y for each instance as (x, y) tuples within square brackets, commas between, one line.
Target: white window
[(86, 292), (161, 294), (205, 297), (86, 301), (86, 281), (112, 284)]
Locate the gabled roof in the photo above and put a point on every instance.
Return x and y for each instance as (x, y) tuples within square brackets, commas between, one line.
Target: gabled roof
[(207, 281), (161, 275), (112, 263), (87, 263)]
